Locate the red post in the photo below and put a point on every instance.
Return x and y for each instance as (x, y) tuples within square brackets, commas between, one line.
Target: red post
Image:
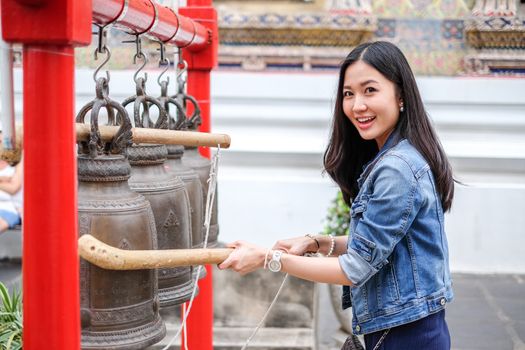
[(50, 268), (49, 30), (200, 321)]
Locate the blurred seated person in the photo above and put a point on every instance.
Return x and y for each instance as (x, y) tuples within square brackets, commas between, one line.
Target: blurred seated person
[(11, 195)]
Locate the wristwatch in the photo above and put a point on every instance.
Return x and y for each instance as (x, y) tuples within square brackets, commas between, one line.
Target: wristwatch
[(275, 264)]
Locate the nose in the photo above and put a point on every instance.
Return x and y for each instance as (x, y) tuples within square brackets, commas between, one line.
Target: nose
[(359, 104)]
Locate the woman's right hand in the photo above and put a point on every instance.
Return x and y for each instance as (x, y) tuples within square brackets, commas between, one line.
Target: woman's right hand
[(297, 245)]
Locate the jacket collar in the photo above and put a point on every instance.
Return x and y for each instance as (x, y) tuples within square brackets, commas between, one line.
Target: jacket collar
[(392, 140)]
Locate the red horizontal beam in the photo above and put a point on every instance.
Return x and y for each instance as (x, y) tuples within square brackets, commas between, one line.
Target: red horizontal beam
[(156, 21)]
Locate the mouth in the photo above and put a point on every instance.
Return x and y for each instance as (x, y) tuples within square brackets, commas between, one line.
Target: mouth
[(364, 122)]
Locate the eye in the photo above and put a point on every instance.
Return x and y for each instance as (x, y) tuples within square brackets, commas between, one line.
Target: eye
[(347, 93), (370, 89)]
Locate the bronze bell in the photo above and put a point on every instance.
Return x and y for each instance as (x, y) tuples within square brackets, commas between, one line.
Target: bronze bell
[(201, 165), (119, 309), (168, 198), (188, 176), (170, 203), (194, 189)]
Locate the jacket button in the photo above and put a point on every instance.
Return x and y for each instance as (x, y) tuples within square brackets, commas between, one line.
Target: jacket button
[(443, 301), (358, 328)]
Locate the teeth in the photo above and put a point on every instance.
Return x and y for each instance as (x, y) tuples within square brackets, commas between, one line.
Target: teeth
[(364, 120)]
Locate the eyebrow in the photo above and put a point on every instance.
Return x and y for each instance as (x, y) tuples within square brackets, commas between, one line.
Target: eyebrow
[(366, 82)]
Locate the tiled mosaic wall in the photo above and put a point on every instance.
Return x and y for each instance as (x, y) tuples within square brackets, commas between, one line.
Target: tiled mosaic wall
[(429, 32)]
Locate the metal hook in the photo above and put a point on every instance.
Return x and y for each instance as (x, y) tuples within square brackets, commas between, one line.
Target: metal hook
[(145, 58), (108, 56), (181, 81), (139, 54), (183, 70), (102, 48), (163, 61), (166, 63), (102, 39)]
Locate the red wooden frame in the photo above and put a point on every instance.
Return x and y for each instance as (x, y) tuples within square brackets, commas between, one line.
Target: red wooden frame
[(49, 30)]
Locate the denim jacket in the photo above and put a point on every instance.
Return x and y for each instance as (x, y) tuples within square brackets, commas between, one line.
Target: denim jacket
[(397, 253)]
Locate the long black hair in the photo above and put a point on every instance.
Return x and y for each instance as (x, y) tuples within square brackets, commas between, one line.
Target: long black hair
[(347, 152)]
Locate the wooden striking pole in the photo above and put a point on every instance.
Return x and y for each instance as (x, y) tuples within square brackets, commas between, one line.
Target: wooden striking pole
[(140, 135), (107, 257), (159, 136)]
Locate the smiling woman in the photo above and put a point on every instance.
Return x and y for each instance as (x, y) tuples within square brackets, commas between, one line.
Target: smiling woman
[(385, 156)]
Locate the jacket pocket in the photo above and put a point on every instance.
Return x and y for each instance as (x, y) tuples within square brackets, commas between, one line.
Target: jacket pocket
[(387, 288)]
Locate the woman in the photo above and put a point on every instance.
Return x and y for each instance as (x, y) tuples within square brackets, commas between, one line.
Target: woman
[(387, 160)]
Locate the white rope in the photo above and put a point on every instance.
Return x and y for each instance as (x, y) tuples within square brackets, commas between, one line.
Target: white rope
[(254, 332), (212, 187)]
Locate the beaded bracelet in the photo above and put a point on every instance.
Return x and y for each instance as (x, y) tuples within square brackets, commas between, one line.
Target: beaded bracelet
[(332, 245)]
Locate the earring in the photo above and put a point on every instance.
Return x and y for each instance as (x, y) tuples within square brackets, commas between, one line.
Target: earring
[(401, 108)]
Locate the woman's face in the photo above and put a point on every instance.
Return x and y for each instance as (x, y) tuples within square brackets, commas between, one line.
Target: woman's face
[(370, 101)]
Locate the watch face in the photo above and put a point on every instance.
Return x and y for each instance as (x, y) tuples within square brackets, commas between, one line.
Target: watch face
[(274, 265)]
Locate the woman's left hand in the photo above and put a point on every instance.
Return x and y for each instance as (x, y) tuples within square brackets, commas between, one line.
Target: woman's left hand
[(245, 258)]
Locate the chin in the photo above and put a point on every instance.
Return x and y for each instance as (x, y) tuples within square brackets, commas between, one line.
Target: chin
[(367, 136)]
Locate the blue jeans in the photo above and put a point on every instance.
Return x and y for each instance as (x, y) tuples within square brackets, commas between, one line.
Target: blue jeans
[(11, 218), (429, 333)]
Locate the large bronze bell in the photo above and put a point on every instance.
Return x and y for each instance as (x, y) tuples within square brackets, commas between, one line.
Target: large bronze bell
[(119, 309), (168, 198)]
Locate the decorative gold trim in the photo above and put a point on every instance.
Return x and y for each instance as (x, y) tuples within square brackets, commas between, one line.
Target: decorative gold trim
[(496, 32), (278, 37)]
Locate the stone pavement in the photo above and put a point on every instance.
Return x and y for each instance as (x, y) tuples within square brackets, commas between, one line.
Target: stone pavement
[(488, 311)]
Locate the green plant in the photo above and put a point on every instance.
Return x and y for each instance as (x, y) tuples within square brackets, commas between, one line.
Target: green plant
[(337, 218), (10, 319)]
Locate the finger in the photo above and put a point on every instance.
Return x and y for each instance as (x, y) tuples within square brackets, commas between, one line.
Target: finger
[(234, 244), (277, 244), (231, 245), (225, 264), (281, 248)]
